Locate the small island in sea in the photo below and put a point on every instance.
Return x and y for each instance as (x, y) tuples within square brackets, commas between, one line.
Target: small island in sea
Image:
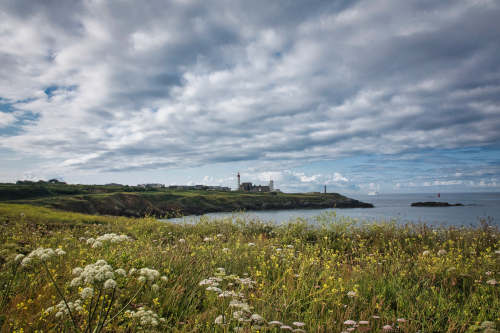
[(435, 204)]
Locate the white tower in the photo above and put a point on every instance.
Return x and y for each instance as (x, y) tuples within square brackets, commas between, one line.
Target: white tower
[(271, 185)]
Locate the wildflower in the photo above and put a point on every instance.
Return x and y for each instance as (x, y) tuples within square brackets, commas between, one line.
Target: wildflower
[(387, 328), (220, 235), (251, 244), (26, 261), (90, 241), (19, 257), (77, 271), (146, 318), (352, 294), (164, 278), (155, 288), (299, 330), (121, 271), (59, 252), (442, 252), (228, 293), (492, 282), (489, 273), (76, 282), (375, 317), (401, 320), (290, 246), (364, 322), (426, 253), (132, 271), (110, 284), (221, 270), (299, 324), (219, 320), (286, 327), (182, 240), (225, 250), (275, 322), (96, 244), (214, 289), (86, 292), (257, 318), (349, 322), (207, 239), (149, 274)]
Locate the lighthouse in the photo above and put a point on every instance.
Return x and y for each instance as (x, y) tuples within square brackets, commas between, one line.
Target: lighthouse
[(239, 182)]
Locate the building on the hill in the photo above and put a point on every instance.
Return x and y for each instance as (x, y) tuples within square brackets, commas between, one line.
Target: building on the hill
[(249, 187)]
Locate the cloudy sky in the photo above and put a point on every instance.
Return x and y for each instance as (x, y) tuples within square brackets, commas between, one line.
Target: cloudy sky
[(364, 96)]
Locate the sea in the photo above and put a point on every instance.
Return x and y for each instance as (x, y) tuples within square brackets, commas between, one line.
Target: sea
[(478, 208)]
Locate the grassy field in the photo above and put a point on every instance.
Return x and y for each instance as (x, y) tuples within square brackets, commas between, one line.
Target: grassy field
[(73, 272)]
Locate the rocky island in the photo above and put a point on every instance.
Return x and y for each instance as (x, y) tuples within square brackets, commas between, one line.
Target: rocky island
[(434, 204)]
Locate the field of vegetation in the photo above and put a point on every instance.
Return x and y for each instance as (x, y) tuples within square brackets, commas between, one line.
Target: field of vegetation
[(82, 273)]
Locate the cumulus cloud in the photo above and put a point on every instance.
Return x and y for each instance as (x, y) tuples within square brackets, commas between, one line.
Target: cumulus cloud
[(117, 86)]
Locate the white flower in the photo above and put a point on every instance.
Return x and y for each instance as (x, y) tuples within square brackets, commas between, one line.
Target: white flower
[(19, 257), (59, 252), (489, 273), (426, 253), (121, 271), (182, 240), (90, 241), (349, 322), (110, 284), (155, 288), (225, 250), (401, 320), (364, 322), (26, 261), (290, 246), (132, 271), (215, 289), (492, 282), (219, 320), (257, 318), (299, 324), (77, 271), (207, 239), (76, 282), (442, 252), (387, 328), (251, 244), (87, 292), (164, 278), (149, 274), (352, 294), (275, 322), (286, 327), (96, 244)]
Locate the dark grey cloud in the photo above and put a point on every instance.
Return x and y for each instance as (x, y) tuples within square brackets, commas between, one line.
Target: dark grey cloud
[(188, 83)]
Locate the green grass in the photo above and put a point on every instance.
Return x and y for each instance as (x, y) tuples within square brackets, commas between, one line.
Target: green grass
[(301, 273)]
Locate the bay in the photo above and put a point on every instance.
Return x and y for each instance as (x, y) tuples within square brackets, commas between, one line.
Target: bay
[(391, 207)]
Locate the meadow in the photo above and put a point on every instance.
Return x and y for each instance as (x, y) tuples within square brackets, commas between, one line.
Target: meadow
[(70, 272)]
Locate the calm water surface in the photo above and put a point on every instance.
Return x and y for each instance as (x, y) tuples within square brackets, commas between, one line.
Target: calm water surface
[(396, 207)]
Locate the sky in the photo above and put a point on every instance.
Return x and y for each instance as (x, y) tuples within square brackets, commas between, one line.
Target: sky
[(363, 96)]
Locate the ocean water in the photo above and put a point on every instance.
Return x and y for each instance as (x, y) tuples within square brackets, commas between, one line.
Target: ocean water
[(394, 207)]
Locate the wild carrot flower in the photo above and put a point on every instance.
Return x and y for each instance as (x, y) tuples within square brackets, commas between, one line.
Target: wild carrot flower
[(442, 252), (492, 282), (19, 257), (110, 284), (275, 323), (387, 328), (349, 322), (86, 292), (299, 324)]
